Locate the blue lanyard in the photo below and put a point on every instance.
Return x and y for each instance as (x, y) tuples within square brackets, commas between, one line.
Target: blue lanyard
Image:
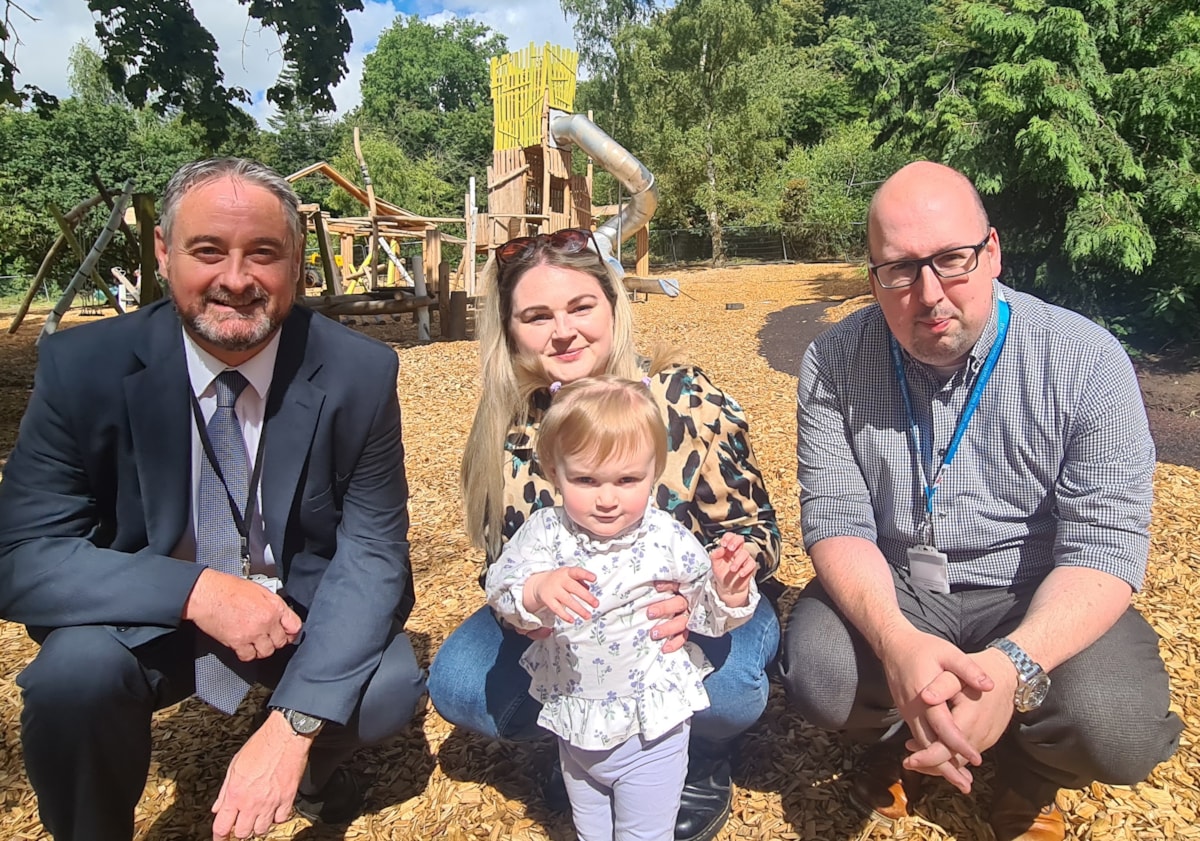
[(923, 449)]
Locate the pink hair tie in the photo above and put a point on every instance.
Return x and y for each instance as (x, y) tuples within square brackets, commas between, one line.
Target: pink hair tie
[(646, 382), (555, 386)]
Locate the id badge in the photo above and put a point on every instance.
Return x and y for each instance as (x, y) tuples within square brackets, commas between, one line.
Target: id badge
[(929, 568)]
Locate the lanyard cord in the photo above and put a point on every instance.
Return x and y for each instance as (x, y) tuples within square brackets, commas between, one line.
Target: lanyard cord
[(923, 449), (240, 521)]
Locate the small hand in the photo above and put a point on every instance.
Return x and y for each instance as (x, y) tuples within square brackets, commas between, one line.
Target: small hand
[(260, 785), (732, 569), (562, 591), (241, 615)]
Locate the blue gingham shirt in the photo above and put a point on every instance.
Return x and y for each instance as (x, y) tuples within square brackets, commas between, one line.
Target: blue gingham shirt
[(1055, 468)]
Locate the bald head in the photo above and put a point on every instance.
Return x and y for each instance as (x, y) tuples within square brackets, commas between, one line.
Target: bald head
[(922, 211), (918, 189)]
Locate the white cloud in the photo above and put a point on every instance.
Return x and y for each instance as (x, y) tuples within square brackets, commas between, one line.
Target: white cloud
[(250, 56)]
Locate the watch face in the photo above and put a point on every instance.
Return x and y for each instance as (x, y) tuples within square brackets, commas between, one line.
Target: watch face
[(303, 724), (1031, 694)]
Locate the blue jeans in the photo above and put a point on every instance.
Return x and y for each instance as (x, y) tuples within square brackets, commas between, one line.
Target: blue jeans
[(476, 680)]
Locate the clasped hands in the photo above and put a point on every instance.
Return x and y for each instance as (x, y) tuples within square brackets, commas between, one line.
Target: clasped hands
[(956, 705)]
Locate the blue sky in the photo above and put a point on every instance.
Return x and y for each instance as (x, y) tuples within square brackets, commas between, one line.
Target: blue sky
[(249, 55)]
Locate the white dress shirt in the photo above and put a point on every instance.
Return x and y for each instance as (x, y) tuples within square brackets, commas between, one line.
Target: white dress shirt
[(250, 408)]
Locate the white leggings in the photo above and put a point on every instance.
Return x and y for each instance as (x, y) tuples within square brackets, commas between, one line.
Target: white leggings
[(630, 792)]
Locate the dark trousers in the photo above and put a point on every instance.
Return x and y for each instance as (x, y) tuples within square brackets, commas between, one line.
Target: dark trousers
[(88, 701), (1107, 716)]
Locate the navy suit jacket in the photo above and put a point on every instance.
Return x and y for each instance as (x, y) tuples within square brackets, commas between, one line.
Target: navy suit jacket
[(97, 493)]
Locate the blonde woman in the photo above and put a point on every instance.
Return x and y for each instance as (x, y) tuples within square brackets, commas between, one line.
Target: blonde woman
[(554, 312)]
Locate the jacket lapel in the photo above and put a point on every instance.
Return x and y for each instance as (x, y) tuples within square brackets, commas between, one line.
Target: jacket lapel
[(293, 409), (157, 402)]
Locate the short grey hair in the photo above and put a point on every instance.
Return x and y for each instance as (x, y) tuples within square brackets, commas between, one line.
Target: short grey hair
[(242, 169)]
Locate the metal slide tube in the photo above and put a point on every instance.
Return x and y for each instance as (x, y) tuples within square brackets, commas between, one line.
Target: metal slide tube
[(578, 130)]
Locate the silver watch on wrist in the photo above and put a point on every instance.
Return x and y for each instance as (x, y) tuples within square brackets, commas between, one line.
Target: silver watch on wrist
[(1033, 684), (302, 724)]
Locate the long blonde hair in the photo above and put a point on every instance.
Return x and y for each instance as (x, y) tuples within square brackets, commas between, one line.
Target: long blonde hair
[(509, 382)]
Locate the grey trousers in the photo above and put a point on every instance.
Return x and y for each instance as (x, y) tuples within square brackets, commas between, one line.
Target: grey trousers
[(1106, 718), (630, 792), (85, 723)]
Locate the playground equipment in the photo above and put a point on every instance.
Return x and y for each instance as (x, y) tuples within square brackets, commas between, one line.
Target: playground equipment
[(531, 186)]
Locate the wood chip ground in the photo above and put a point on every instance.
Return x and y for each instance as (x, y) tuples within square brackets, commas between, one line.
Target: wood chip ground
[(791, 779)]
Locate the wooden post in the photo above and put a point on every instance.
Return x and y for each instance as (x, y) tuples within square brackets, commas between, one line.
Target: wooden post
[(643, 251), (469, 248), (372, 280), (143, 207), (333, 279), (456, 329), (347, 249), (421, 316), (443, 297)]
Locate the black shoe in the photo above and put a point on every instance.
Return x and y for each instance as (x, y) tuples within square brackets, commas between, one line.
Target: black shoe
[(554, 789), (338, 802), (706, 799)]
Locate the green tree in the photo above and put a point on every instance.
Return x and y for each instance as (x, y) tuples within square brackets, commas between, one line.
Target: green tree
[(414, 184), (428, 88), (157, 53), (827, 188), (1079, 123), (707, 78)]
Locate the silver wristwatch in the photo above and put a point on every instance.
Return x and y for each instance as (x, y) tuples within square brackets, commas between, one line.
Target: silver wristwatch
[(302, 724), (1033, 684)]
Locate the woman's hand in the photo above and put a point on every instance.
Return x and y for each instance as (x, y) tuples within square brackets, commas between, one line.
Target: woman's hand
[(673, 611)]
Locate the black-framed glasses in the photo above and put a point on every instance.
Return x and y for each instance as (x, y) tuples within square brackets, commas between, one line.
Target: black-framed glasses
[(566, 241), (953, 262)]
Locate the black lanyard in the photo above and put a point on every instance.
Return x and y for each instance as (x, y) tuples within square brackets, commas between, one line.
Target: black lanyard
[(240, 521)]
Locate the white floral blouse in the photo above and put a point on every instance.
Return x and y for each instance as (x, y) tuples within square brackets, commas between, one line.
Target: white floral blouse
[(602, 680)]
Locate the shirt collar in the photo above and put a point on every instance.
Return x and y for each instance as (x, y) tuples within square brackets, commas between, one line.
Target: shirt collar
[(991, 330), (203, 367)]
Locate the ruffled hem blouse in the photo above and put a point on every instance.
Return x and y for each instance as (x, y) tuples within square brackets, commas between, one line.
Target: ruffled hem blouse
[(603, 680)]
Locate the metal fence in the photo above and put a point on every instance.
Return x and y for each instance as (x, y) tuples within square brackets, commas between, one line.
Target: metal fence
[(759, 244)]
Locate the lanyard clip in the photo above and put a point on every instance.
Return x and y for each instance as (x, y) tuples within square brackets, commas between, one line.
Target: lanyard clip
[(245, 557)]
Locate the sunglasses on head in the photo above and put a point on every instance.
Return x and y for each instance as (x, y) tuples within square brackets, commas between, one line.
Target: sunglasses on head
[(566, 241)]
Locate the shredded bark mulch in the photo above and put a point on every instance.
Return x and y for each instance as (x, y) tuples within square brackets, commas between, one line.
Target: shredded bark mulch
[(791, 779)]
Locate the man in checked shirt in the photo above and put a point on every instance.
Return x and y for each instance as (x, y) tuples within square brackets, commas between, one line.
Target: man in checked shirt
[(976, 473)]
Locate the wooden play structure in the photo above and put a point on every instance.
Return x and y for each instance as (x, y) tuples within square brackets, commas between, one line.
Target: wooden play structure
[(531, 185), (531, 189), (139, 250)]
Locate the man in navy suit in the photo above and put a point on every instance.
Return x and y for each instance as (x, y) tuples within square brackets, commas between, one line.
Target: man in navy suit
[(103, 520)]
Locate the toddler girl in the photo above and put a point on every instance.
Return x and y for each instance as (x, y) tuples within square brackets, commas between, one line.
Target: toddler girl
[(586, 570)]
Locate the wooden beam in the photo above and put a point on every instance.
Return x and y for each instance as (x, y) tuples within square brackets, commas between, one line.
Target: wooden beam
[(333, 280), (504, 179), (27, 302)]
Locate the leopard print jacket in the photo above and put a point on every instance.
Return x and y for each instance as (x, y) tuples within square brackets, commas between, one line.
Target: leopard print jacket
[(711, 483)]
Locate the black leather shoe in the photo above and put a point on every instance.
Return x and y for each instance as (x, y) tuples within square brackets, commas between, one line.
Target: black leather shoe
[(707, 796), (338, 802)]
